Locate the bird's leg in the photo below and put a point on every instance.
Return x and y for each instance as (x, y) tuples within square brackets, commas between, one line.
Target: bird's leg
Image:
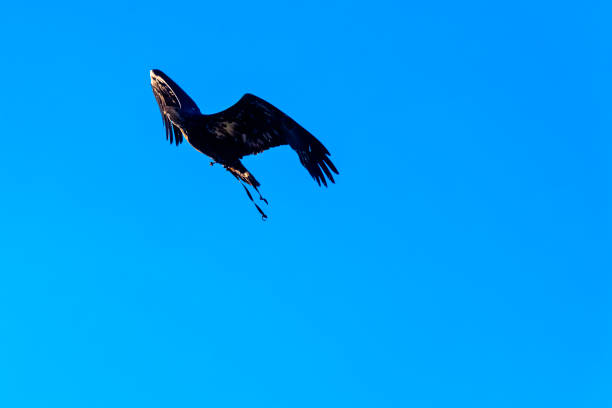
[(260, 196), (263, 215)]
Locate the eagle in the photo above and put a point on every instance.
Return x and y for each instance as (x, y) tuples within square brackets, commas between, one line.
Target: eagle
[(250, 126)]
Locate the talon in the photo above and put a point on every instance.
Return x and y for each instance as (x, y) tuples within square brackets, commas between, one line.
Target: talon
[(211, 163), (264, 200)]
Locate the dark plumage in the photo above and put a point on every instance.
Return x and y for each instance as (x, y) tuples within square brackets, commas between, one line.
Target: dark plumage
[(250, 126)]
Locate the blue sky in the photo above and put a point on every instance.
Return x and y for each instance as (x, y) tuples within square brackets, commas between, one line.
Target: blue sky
[(462, 258)]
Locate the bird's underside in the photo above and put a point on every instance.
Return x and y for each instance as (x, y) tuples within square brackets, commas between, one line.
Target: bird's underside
[(250, 126)]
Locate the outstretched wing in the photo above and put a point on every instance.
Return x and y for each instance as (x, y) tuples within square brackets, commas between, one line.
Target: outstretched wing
[(253, 125), (170, 96)]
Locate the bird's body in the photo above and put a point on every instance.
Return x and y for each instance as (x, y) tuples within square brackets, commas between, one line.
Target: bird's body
[(250, 126)]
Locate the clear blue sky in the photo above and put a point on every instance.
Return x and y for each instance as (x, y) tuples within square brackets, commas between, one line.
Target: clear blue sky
[(461, 260)]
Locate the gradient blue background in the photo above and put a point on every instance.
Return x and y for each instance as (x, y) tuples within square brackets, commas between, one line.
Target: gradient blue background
[(462, 259)]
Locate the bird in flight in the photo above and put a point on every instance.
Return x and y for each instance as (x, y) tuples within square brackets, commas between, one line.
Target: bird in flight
[(250, 126)]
